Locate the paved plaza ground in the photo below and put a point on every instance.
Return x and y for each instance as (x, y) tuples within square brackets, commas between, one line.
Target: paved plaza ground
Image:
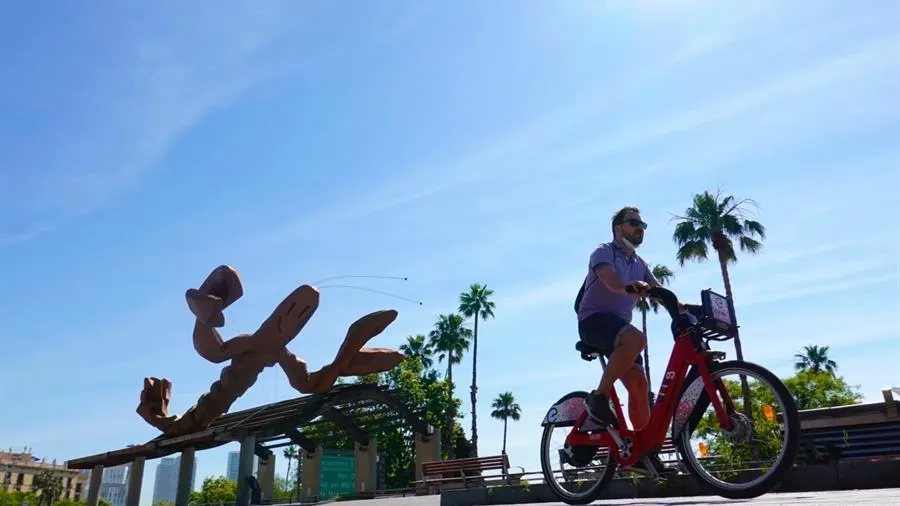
[(881, 497)]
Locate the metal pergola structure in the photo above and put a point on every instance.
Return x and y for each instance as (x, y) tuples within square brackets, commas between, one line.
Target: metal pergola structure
[(355, 410)]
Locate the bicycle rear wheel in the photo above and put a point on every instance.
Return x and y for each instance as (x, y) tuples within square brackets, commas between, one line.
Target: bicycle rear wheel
[(585, 470), (757, 439)]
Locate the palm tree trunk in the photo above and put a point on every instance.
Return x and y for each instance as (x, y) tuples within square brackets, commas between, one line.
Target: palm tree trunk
[(474, 389), (504, 434), (745, 389), (298, 478), (450, 409)]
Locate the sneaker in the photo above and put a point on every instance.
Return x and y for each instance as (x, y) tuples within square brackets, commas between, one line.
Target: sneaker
[(597, 407)]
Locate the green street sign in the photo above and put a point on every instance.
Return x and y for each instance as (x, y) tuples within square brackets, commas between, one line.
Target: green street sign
[(337, 475)]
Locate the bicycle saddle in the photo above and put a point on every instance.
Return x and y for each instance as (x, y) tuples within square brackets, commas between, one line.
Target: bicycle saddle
[(587, 351)]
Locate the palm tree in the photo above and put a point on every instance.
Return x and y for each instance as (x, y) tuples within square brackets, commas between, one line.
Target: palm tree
[(450, 340), (290, 453), (505, 407), (720, 222), (662, 274), (417, 347), (814, 358), (475, 303)]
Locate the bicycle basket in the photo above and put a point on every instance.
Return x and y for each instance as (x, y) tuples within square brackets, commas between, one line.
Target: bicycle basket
[(717, 319)]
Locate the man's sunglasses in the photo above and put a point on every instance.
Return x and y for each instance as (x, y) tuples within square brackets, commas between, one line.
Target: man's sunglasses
[(634, 222)]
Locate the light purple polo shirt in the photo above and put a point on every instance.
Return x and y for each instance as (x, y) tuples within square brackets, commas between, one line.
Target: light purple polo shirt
[(599, 299)]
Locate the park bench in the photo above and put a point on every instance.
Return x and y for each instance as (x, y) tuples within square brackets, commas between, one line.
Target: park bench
[(465, 472)]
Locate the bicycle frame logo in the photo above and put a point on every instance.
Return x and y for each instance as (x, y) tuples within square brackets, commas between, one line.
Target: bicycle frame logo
[(664, 387)]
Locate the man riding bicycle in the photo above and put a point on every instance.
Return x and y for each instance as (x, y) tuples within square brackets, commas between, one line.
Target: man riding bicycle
[(604, 320)]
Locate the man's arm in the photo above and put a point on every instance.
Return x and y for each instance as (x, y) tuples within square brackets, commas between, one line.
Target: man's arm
[(601, 264)]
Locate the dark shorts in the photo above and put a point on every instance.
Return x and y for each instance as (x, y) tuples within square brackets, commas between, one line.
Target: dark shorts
[(602, 331)]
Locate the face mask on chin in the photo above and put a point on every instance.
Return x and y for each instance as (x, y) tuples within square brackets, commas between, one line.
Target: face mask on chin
[(629, 244)]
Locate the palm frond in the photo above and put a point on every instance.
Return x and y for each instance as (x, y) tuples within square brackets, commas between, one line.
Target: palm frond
[(732, 226), (749, 244), (692, 250), (685, 232), (755, 228)]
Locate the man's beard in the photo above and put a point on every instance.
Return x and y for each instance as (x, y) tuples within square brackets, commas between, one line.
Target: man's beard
[(633, 243)]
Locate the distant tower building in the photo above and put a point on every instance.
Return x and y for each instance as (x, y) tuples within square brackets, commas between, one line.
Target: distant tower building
[(165, 485), (234, 459)]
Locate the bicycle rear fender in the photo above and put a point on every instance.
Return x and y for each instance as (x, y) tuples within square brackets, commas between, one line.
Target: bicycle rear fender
[(692, 402), (565, 412)]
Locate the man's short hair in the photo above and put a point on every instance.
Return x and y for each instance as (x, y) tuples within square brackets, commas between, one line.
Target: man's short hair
[(619, 217)]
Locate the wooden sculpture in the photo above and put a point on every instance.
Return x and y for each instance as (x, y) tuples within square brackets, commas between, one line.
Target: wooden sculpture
[(251, 353)]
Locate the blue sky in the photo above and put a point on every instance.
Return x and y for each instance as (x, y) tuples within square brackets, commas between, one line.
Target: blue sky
[(142, 146)]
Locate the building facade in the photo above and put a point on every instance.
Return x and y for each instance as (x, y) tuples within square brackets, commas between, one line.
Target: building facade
[(231, 471), (165, 485), (18, 469), (114, 485)]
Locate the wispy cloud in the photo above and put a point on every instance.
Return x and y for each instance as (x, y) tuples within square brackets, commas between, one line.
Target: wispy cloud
[(525, 148), (759, 96), (155, 86), (574, 137)]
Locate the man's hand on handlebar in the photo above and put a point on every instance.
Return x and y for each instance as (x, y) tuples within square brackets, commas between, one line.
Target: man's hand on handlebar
[(638, 289)]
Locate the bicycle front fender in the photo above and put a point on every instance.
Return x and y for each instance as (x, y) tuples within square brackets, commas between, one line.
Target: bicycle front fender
[(566, 411)]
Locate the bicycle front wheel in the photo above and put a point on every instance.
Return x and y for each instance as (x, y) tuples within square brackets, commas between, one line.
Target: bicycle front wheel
[(759, 449)]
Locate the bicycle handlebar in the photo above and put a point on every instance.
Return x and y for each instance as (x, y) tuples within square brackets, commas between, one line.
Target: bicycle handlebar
[(667, 299)]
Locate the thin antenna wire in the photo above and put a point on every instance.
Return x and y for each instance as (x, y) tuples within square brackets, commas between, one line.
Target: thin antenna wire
[(403, 278), (373, 291)]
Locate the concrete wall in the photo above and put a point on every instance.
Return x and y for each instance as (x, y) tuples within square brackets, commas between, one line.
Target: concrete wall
[(842, 476)]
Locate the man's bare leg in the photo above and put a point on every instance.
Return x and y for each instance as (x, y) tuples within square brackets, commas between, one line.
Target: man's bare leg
[(638, 404), (631, 344)]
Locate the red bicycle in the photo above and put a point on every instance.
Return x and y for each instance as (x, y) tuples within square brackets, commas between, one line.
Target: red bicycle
[(692, 382)]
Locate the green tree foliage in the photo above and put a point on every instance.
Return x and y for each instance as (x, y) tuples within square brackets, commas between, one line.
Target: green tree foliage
[(417, 346), (450, 340), (215, 490), (810, 389), (821, 389), (50, 486), (18, 498), (423, 393), (284, 488)]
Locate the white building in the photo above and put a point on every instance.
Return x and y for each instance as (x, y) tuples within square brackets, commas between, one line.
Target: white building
[(114, 485)]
